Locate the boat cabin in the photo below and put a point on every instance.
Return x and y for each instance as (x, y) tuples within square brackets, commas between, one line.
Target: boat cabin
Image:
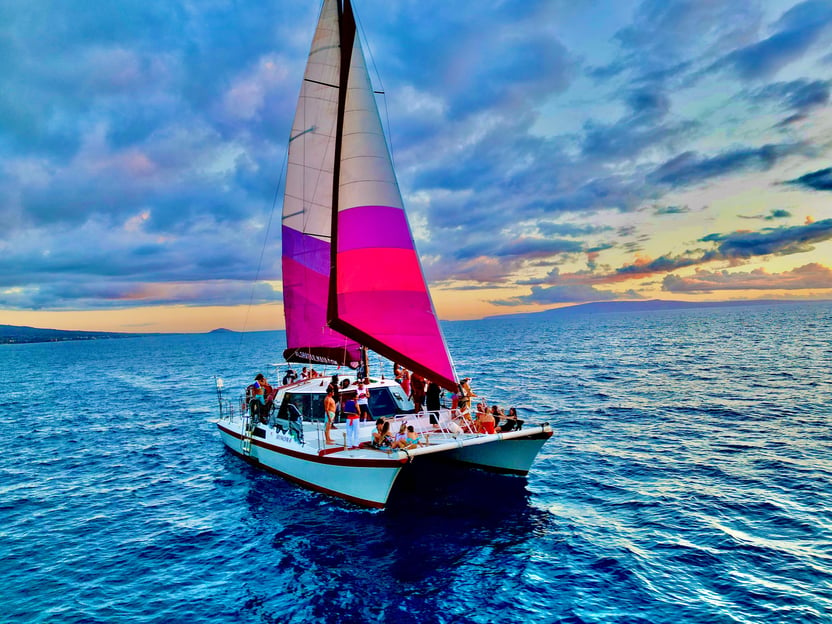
[(387, 399)]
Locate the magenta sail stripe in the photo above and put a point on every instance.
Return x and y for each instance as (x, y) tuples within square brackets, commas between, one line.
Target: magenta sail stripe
[(307, 250), (373, 226), (404, 321), (392, 269)]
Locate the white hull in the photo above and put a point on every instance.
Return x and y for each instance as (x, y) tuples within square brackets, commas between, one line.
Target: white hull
[(365, 475), (361, 476)]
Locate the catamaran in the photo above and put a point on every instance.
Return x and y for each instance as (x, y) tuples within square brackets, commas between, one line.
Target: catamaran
[(353, 282)]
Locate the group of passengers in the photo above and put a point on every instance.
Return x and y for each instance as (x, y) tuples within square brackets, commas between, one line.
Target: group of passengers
[(406, 438), (354, 406)]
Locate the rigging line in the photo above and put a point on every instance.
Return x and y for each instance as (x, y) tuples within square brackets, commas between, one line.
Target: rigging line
[(263, 248), (388, 135)]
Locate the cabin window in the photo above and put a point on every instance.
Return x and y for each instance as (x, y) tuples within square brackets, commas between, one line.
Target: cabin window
[(311, 406), (382, 403)]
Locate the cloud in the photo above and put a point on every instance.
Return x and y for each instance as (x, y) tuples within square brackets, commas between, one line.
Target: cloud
[(820, 180), (808, 276), (691, 168), (797, 30), (665, 37), (777, 241), (777, 213), (800, 96), (670, 210), (567, 293), (732, 247)]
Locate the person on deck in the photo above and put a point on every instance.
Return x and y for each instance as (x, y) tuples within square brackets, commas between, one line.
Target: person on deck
[(350, 412), (406, 381), (464, 394), (381, 436), (363, 401), (268, 393), (412, 440), (336, 395), (399, 441), (485, 421), (417, 391), (512, 423), (432, 399), (329, 410), (289, 377)]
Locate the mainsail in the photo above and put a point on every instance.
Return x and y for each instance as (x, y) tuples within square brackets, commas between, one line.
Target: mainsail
[(307, 206), (377, 295)]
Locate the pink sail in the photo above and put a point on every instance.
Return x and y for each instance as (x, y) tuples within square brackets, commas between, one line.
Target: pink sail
[(378, 291), (307, 206)]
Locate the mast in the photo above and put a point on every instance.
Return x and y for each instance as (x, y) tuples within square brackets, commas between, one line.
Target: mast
[(377, 293), (346, 28)]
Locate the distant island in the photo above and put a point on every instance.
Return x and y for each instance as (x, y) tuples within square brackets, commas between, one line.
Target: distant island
[(17, 334), (648, 305)]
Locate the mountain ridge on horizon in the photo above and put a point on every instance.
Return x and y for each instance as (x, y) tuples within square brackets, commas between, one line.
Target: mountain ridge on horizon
[(647, 305)]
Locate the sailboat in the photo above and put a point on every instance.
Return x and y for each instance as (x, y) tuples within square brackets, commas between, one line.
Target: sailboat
[(353, 283)]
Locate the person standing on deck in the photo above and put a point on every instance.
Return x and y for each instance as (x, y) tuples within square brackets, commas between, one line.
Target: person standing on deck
[(417, 390), (432, 400), (363, 401), (329, 409), (350, 411), (336, 395)]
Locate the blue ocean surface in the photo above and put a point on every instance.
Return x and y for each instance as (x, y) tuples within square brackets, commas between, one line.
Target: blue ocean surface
[(689, 479)]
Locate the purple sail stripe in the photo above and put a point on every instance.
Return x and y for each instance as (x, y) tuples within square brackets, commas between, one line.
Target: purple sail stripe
[(304, 299), (309, 251), (373, 226)]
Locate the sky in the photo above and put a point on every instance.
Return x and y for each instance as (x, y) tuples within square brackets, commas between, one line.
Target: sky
[(549, 153)]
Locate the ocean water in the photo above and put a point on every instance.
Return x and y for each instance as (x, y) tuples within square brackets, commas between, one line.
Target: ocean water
[(689, 480)]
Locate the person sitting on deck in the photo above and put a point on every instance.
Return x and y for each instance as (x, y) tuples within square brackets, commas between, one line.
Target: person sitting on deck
[(512, 423), (400, 436), (485, 421), (412, 440), (289, 377), (381, 436), (482, 408)]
